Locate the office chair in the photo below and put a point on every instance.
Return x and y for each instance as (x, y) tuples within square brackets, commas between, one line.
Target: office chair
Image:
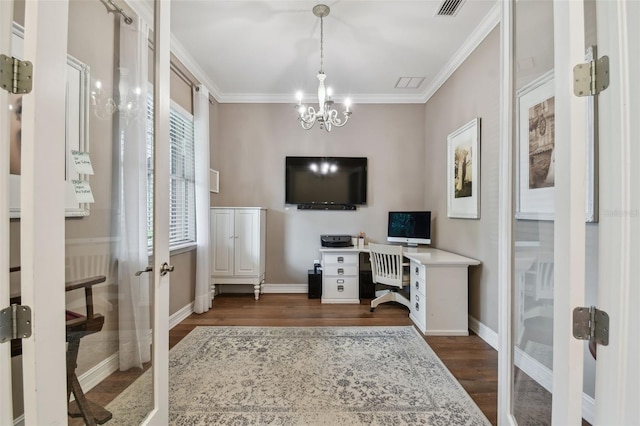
[(387, 271), (78, 325)]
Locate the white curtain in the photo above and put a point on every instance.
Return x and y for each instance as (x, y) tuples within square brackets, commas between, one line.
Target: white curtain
[(201, 134), (132, 253)]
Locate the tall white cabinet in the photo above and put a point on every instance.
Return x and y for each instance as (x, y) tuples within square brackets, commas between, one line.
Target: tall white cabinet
[(238, 246)]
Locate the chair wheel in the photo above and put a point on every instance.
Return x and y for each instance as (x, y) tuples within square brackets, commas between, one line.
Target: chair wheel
[(372, 309)]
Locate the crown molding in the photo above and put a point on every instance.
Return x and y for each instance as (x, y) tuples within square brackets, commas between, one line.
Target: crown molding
[(263, 98), (471, 43)]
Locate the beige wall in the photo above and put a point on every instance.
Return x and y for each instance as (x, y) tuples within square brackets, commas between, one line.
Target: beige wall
[(472, 91), (249, 146)]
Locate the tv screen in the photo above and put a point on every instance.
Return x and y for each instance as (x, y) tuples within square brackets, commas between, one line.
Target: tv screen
[(409, 227), (326, 180)]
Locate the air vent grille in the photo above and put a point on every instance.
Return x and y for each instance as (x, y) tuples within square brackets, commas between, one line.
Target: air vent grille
[(449, 7)]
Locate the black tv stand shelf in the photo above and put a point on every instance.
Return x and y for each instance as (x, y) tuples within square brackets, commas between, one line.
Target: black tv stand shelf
[(326, 207)]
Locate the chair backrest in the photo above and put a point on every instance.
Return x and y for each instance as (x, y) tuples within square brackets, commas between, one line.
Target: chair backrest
[(386, 264), (544, 268)]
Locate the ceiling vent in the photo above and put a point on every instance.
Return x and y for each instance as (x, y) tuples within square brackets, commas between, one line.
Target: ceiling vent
[(449, 8), (409, 82)]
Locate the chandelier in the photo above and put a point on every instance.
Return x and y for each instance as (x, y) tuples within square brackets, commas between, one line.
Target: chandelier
[(326, 115)]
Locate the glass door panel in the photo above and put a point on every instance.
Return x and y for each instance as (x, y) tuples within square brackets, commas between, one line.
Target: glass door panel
[(533, 246), (108, 241)]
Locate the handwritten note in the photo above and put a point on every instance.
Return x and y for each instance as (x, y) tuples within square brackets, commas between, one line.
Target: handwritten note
[(82, 162), (82, 191)]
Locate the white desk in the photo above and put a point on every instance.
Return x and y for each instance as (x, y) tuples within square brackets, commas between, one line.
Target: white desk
[(439, 286)]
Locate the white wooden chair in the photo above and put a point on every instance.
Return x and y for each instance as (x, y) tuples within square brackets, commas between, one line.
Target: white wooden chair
[(388, 270)]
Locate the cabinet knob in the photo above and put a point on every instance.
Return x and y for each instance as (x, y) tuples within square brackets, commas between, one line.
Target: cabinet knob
[(340, 281), (417, 285), (340, 288), (417, 307), (341, 271), (417, 269), (340, 259), (417, 298)]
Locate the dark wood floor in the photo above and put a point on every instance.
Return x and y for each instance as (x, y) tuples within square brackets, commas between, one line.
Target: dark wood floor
[(472, 361)]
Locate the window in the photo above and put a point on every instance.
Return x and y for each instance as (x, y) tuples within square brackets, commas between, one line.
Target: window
[(182, 214)]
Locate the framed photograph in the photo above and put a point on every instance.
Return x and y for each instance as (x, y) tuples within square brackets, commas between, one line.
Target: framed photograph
[(214, 181), (77, 140), (535, 146), (463, 171)]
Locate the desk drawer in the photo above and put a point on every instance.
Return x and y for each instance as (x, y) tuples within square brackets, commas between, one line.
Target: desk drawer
[(341, 270), (417, 285), (418, 271), (340, 259), (418, 310), (340, 288)]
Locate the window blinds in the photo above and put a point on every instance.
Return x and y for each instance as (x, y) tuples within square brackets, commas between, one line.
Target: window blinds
[(182, 226)]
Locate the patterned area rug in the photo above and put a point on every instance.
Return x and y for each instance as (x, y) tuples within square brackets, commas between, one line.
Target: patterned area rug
[(305, 376)]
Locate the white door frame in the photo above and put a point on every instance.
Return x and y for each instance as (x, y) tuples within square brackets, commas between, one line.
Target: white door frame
[(617, 369), (162, 39), (42, 226), (6, 408), (569, 227)]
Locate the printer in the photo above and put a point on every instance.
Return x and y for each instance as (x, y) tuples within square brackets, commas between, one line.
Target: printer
[(335, 241)]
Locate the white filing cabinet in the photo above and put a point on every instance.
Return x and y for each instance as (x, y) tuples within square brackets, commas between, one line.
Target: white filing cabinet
[(439, 305), (340, 276), (238, 236), (418, 308)]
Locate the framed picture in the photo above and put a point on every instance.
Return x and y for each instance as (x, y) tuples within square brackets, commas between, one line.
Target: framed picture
[(463, 171), (214, 181), (77, 115), (535, 130)]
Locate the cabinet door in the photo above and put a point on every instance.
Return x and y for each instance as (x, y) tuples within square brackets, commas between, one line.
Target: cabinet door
[(222, 242), (247, 242)]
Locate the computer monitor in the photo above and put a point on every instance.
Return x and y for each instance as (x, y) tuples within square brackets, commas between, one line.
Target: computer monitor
[(409, 227)]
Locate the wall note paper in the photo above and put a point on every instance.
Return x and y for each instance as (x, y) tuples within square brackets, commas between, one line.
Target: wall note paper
[(82, 162), (82, 191)]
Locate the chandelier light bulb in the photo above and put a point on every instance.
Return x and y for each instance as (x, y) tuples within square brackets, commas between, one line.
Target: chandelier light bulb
[(326, 115)]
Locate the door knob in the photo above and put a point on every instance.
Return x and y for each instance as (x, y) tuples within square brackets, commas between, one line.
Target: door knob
[(147, 269), (165, 268)]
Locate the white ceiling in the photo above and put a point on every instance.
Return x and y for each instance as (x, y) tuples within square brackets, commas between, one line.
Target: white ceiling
[(265, 51)]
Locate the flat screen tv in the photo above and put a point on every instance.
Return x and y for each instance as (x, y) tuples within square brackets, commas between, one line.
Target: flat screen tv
[(409, 227), (326, 181)]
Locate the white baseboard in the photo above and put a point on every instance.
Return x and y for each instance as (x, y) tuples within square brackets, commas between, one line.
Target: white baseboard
[(531, 367), (98, 373), (484, 332), (285, 288), (180, 315)]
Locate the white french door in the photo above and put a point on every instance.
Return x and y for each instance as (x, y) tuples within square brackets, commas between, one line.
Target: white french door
[(45, 233), (553, 260)]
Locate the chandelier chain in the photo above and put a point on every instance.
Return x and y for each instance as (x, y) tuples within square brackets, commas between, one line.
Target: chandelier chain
[(321, 45)]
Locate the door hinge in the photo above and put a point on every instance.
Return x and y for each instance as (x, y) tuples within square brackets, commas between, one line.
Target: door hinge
[(16, 76), (591, 324), (15, 323), (592, 77)]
